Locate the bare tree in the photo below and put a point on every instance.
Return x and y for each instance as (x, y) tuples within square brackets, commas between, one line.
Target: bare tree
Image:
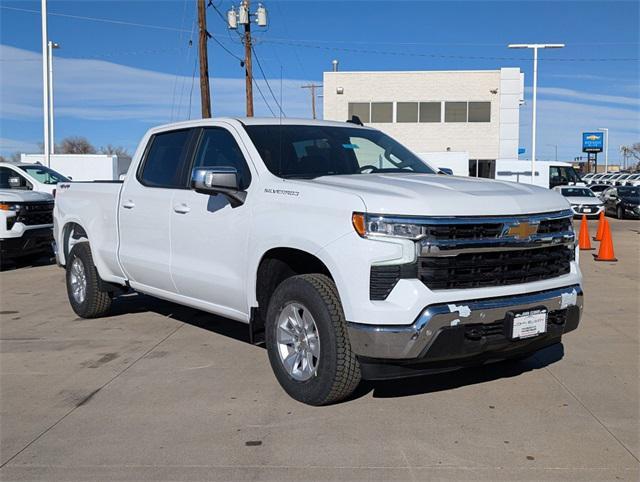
[(15, 157), (75, 145), (631, 152), (112, 150)]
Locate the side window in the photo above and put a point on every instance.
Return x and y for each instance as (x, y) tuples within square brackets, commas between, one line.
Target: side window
[(166, 159), (218, 148), (18, 181)]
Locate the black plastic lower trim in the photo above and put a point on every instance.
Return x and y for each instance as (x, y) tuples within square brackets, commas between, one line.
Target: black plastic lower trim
[(32, 241)]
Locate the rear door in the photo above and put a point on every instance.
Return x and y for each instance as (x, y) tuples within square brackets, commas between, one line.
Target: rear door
[(146, 206), (209, 237)]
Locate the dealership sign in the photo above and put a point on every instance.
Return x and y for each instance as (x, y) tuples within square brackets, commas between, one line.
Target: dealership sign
[(592, 141)]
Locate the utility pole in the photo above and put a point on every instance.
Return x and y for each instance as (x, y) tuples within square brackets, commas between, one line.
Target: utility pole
[(248, 69), (313, 97), (205, 93), (243, 17)]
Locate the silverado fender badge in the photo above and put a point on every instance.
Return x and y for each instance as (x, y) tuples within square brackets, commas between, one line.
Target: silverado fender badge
[(281, 191)]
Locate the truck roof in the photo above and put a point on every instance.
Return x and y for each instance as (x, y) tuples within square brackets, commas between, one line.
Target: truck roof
[(251, 121)]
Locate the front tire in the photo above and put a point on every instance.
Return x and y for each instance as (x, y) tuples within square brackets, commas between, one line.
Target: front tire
[(620, 212), (307, 341), (83, 284)]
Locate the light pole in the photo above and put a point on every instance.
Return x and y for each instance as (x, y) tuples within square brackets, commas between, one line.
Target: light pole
[(45, 83), (535, 48), (50, 46), (606, 147), (243, 17)]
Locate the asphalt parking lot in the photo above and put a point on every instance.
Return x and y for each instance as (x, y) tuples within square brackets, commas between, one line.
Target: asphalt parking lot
[(161, 392)]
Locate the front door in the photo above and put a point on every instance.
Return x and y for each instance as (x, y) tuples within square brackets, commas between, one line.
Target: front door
[(145, 209), (209, 238)]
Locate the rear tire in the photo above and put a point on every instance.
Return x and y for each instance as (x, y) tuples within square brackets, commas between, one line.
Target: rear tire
[(83, 284), (331, 372)]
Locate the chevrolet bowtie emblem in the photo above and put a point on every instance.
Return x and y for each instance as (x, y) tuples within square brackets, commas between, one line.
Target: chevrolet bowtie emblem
[(522, 230)]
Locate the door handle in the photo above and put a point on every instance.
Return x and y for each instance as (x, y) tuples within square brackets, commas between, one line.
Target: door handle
[(181, 208), (129, 204)]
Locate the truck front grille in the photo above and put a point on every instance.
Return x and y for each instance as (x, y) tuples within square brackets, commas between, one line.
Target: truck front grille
[(32, 214), (479, 252), (494, 268)]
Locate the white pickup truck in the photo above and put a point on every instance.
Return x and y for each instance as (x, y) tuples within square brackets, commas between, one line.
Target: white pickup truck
[(352, 256)]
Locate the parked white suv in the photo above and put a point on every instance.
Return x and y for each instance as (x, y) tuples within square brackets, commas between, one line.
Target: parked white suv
[(30, 177), (350, 253), (26, 221)]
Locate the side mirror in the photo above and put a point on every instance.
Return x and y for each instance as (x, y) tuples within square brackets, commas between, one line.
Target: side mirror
[(15, 182), (218, 180)]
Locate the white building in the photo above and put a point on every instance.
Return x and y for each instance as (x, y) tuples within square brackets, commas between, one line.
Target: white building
[(84, 167), (469, 117)]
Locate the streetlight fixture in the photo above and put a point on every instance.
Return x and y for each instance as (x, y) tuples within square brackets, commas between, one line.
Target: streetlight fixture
[(606, 147), (50, 47), (535, 48), (243, 16)]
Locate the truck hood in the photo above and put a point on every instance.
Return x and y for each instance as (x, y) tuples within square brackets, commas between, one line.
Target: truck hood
[(17, 196), (583, 200), (443, 195)]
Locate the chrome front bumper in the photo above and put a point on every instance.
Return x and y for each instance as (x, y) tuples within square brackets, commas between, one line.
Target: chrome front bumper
[(412, 341)]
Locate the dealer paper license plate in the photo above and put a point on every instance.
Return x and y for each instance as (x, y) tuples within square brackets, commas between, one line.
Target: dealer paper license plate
[(529, 323)]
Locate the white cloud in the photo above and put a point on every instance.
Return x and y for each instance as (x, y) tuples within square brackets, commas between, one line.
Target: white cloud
[(13, 145), (586, 97), (562, 122), (99, 90)]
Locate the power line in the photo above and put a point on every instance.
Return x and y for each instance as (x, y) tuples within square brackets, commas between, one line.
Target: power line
[(313, 44), (263, 98), (306, 44), (175, 79), (267, 82), (97, 19)]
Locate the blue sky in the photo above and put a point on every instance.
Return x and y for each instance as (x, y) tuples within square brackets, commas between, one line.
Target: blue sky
[(115, 80)]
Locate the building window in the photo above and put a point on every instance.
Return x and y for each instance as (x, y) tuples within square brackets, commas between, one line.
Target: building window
[(430, 111), (482, 168), (360, 109), (479, 111), (407, 112), (455, 112), (381, 111)]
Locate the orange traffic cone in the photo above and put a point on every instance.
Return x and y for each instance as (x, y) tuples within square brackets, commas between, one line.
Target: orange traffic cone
[(583, 239), (606, 246), (600, 233)]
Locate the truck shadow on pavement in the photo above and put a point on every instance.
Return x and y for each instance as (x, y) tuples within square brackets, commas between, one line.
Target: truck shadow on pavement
[(462, 377), (422, 384)]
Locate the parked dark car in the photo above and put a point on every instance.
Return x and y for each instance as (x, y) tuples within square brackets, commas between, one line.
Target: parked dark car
[(622, 201)]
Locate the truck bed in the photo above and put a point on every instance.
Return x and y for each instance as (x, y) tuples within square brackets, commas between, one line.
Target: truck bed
[(94, 206)]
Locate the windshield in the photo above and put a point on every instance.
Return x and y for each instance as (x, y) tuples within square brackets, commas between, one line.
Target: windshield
[(599, 187), (578, 192), (308, 151), (629, 191), (44, 174)]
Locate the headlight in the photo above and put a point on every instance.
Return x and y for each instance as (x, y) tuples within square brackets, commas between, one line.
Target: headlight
[(9, 207), (367, 225)]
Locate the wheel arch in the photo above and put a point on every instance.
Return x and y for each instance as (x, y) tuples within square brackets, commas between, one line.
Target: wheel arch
[(72, 233), (277, 264)]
